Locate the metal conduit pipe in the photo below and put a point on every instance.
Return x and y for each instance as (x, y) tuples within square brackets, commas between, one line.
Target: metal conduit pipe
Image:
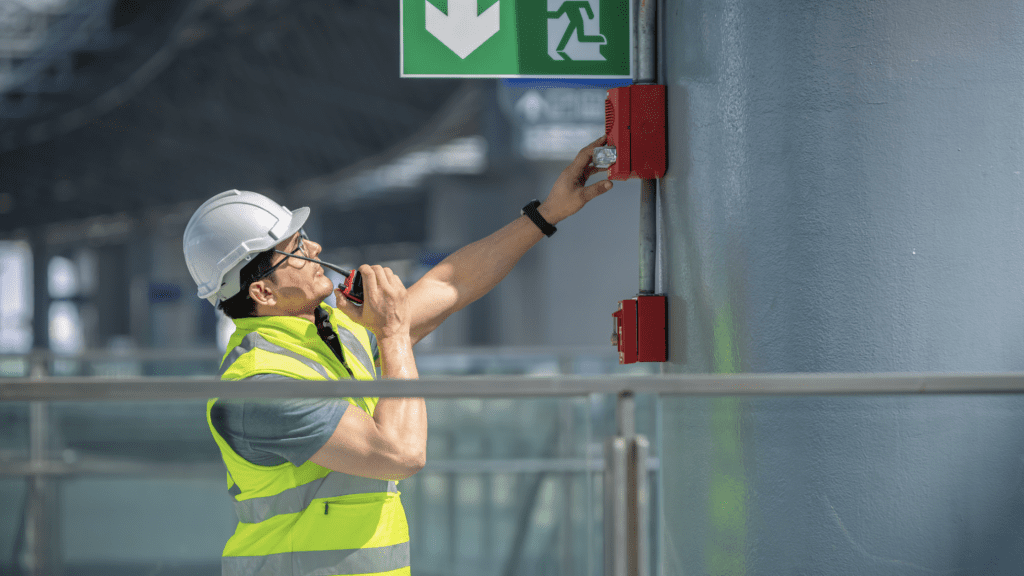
[(645, 72), (648, 234), (626, 546), (644, 42)]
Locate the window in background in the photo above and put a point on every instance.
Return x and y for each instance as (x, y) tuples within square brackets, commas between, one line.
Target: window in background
[(15, 305), (62, 278), (65, 328), (65, 321)]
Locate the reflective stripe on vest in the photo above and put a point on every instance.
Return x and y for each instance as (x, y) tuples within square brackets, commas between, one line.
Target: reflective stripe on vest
[(296, 499), (253, 340), (352, 345), (357, 561)]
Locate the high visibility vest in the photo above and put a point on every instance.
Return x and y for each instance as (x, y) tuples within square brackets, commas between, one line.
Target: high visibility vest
[(306, 520)]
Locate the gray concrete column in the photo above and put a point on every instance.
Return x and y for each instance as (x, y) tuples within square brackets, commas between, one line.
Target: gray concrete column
[(844, 193)]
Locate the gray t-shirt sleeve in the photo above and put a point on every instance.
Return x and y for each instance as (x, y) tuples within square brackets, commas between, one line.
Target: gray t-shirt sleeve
[(269, 432)]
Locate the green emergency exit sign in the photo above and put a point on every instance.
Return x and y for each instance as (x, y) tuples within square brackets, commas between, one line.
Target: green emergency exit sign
[(514, 38)]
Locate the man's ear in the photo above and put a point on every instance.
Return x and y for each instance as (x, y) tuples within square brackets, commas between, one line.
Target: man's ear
[(261, 293)]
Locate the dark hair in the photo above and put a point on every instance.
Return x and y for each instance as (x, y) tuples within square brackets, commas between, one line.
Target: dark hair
[(240, 305)]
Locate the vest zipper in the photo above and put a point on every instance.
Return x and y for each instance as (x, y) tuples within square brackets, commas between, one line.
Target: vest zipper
[(326, 504)]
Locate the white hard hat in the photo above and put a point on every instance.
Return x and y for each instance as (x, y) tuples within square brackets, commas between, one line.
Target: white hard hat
[(227, 231)]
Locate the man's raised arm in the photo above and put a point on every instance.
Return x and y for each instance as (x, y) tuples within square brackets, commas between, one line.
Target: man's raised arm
[(475, 269)]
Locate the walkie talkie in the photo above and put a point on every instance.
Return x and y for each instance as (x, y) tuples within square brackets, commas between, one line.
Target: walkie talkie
[(352, 287)]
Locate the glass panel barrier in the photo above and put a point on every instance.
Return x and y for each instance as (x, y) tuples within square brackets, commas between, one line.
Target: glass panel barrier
[(513, 485), (748, 474)]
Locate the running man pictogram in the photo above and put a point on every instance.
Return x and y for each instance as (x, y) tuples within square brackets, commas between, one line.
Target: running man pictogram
[(575, 9)]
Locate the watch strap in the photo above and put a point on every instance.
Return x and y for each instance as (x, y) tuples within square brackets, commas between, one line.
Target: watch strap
[(530, 211)]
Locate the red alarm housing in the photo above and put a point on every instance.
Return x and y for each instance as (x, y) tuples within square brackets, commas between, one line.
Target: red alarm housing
[(634, 122), (640, 329)]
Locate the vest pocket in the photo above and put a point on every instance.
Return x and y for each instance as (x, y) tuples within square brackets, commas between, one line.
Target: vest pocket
[(356, 521)]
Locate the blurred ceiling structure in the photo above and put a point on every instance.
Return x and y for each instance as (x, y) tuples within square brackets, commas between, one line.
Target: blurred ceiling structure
[(130, 105)]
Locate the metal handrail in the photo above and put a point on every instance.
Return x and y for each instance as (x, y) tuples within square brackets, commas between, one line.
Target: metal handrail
[(177, 388), (87, 465), (214, 354)]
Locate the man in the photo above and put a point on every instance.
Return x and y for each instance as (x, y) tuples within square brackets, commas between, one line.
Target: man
[(314, 480)]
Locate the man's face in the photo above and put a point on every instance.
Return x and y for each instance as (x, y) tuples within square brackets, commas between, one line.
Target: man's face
[(298, 286)]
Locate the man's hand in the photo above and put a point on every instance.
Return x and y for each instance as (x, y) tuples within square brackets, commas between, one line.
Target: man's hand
[(385, 309), (387, 313), (570, 191)]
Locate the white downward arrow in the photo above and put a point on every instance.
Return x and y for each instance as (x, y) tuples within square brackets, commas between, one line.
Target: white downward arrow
[(461, 29)]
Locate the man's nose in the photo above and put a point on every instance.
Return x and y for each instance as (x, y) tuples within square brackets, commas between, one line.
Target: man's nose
[(314, 248)]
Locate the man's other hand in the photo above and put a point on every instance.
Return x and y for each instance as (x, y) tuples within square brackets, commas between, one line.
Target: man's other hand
[(385, 310), (570, 191)]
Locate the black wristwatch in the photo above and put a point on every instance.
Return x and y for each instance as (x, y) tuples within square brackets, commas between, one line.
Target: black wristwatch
[(530, 210)]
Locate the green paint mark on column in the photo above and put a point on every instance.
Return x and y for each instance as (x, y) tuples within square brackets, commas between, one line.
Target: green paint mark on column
[(725, 544), (725, 348)]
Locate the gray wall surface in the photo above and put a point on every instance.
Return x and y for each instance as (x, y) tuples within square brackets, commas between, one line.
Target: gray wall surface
[(844, 194)]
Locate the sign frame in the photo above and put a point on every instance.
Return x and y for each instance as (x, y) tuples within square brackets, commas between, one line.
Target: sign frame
[(630, 52)]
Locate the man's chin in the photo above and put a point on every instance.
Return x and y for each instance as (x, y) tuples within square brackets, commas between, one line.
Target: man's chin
[(326, 290)]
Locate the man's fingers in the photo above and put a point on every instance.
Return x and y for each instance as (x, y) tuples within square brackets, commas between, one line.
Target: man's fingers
[(596, 189), (382, 277), (369, 279), (342, 303), (586, 154), (583, 163), (377, 277), (393, 278)]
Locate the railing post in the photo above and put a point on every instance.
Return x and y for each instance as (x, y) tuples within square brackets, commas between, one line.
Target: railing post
[(625, 414), (41, 554), (615, 525), (637, 508), (626, 509)]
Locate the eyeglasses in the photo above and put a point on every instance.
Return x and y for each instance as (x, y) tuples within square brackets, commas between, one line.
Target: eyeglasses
[(300, 248)]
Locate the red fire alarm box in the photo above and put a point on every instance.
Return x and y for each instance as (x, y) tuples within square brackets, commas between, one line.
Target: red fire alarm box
[(634, 121), (624, 333), (640, 329)]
